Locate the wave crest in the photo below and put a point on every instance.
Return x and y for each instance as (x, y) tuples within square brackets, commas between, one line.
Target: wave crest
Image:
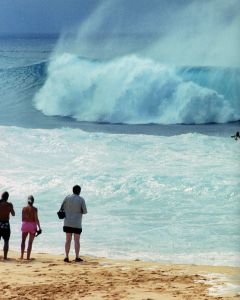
[(129, 90)]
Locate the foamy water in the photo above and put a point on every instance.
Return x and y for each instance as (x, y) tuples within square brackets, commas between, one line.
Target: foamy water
[(164, 193), (136, 90), (150, 197)]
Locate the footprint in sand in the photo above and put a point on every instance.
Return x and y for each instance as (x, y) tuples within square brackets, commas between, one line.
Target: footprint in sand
[(52, 265)]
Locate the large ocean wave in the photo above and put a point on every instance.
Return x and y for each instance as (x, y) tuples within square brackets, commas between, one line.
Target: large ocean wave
[(128, 89), (18, 84), (136, 90)]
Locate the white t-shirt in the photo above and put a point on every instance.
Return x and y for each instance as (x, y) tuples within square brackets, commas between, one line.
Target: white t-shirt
[(74, 207)]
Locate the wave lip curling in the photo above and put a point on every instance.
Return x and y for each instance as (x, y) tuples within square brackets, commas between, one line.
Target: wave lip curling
[(129, 90)]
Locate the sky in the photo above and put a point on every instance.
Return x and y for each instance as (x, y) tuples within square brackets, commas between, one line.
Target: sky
[(190, 31), (42, 16), (55, 16)]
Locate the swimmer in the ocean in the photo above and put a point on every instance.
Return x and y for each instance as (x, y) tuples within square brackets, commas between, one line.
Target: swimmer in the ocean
[(236, 136)]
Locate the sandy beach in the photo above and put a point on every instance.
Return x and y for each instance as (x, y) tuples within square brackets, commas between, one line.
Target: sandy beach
[(46, 276)]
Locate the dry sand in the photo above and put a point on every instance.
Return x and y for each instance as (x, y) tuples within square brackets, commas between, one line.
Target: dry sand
[(48, 277)]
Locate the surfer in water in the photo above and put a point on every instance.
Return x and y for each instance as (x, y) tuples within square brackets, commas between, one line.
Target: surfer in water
[(236, 136)]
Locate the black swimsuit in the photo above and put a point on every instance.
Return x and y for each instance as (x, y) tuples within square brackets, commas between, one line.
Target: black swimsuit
[(5, 230)]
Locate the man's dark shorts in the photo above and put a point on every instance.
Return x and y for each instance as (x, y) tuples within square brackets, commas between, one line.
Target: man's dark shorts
[(5, 231), (68, 229)]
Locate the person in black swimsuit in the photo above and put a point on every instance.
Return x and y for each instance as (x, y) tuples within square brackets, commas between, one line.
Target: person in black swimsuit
[(6, 209)]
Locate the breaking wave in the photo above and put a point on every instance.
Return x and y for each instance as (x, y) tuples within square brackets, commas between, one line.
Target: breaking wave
[(135, 90)]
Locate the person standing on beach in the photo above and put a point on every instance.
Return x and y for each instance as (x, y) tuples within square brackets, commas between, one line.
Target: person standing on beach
[(74, 207), (6, 208), (30, 223)]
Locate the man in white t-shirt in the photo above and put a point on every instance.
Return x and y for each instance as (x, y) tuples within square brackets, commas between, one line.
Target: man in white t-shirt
[(74, 207)]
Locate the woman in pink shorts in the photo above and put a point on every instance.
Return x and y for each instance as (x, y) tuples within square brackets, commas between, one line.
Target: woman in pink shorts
[(30, 224)]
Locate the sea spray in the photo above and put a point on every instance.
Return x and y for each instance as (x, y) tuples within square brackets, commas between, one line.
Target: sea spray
[(183, 33)]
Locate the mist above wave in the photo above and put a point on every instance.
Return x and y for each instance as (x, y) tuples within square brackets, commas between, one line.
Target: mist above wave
[(187, 32), (130, 90)]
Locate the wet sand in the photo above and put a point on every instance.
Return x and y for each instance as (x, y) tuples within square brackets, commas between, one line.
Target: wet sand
[(46, 276)]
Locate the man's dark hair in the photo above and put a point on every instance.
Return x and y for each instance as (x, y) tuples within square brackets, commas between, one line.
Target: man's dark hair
[(76, 189), (5, 196)]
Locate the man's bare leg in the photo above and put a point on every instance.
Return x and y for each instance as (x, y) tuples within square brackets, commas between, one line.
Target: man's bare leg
[(5, 249), (77, 244), (68, 243)]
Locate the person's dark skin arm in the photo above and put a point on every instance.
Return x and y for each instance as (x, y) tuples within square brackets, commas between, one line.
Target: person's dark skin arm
[(12, 211)]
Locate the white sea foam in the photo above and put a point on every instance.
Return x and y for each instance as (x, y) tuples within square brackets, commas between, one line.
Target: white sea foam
[(222, 284), (149, 197), (129, 90)]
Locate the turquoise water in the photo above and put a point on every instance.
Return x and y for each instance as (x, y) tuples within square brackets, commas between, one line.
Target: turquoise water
[(154, 192), (149, 197)]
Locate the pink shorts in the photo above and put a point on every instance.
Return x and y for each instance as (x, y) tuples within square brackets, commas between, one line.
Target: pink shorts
[(29, 227)]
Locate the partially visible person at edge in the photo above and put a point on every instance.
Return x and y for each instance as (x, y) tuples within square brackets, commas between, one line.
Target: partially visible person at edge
[(236, 136), (74, 207), (6, 208), (30, 223)]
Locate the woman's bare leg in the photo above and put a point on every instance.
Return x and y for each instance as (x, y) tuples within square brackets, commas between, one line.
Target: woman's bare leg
[(30, 241), (24, 236)]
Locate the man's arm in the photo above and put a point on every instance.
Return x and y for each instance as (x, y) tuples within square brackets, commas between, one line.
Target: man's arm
[(64, 201), (12, 211), (84, 208)]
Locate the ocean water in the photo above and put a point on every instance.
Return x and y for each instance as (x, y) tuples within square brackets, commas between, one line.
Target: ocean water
[(148, 142)]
